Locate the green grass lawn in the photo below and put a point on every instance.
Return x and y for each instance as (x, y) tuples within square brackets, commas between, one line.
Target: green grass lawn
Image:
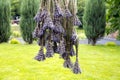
[(97, 63)]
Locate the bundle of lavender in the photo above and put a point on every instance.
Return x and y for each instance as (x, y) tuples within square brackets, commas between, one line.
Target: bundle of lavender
[(55, 31)]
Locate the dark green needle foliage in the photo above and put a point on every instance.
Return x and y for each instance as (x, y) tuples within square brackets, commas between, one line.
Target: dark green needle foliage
[(27, 23), (94, 20), (4, 20)]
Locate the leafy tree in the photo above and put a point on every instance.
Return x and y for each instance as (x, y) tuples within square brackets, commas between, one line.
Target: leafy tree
[(4, 20), (114, 15), (94, 20), (27, 23)]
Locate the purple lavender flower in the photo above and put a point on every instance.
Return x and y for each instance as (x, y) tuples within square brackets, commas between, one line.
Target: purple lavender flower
[(68, 13), (40, 56), (58, 12), (48, 23), (35, 33), (61, 49), (76, 21), (41, 15), (50, 51), (58, 27), (72, 52), (76, 68)]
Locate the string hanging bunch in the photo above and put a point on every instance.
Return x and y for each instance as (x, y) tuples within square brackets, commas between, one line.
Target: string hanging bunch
[(56, 32)]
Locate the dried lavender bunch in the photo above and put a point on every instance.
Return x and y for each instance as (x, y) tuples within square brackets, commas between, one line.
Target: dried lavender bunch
[(35, 33), (41, 15), (68, 13), (41, 33), (40, 56), (48, 24), (55, 37), (50, 51), (61, 48), (72, 52), (41, 41), (58, 12), (76, 68), (58, 27), (76, 21), (68, 63)]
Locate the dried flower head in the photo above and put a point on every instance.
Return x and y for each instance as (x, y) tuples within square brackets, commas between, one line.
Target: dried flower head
[(76, 68), (50, 51), (68, 63), (48, 23), (68, 13), (41, 15), (72, 52), (58, 12), (58, 28), (40, 56), (35, 33), (61, 48), (76, 21)]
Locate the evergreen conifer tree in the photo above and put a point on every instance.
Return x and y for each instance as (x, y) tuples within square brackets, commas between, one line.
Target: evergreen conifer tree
[(4, 20), (27, 23), (94, 20)]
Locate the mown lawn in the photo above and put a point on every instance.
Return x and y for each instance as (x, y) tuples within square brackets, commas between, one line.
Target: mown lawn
[(97, 63)]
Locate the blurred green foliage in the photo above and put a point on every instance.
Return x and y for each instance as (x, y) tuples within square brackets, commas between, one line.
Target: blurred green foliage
[(15, 8)]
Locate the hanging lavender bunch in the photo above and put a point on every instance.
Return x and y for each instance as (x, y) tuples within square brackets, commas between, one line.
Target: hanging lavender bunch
[(41, 41), (48, 23), (40, 56), (58, 27), (76, 21), (55, 37), (49, 49), (58, 12), (41, 15), (41, 33), (35, 33), (68, 63), (76, 68), (61, 48), (68, 13), (72, 52)]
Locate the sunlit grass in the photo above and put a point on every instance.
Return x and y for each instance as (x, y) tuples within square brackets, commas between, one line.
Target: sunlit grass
[(97, 63)]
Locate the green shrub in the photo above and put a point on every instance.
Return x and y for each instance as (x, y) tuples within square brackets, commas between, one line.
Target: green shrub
[(110, 44), (14, 41), (16, 34)]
